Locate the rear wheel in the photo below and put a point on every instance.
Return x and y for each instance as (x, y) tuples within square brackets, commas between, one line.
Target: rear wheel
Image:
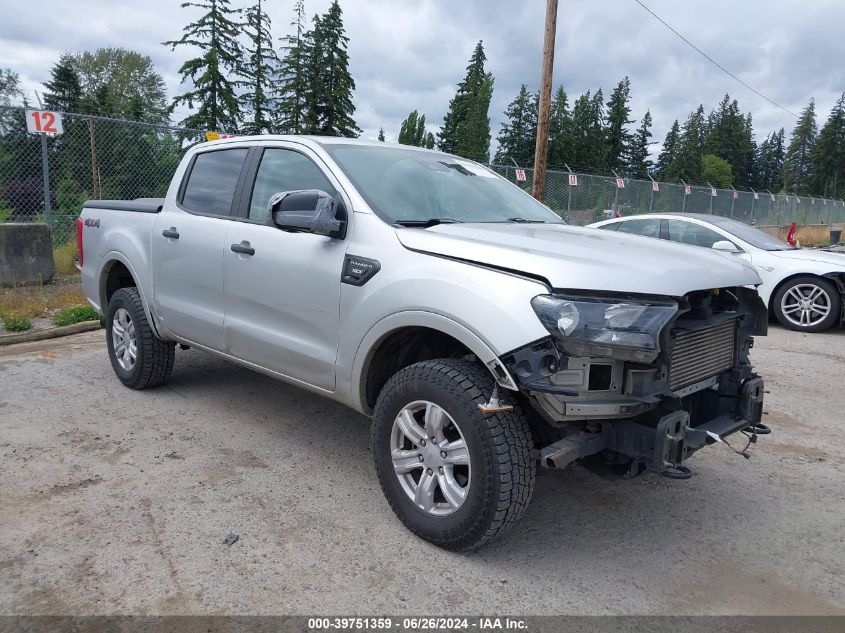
[(139, 358), (453, 475), (807, 304)]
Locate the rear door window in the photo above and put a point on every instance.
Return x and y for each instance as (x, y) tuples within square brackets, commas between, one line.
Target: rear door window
[(650, 227), (212, 182)]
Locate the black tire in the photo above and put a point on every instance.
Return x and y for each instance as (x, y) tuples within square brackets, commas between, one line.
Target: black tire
[(828, 287), (500, 448), (154, 357)]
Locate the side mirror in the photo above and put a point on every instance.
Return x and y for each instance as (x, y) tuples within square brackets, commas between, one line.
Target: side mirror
[(308, 211), (726, 247)]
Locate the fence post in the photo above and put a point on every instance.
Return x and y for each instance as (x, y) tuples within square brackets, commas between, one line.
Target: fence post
[(651, 202), (616, 194), (684, 204), (568, 196), (733, 200), (45, 175), (753, 198), (710, 193)]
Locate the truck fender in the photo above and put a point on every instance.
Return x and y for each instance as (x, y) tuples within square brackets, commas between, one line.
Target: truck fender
[(434, 321), (105, 265)]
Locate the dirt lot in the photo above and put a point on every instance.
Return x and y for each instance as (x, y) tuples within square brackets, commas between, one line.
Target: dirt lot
[(114, 501)]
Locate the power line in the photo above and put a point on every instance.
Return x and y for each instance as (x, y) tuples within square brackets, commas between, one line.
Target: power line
[(713, 61)]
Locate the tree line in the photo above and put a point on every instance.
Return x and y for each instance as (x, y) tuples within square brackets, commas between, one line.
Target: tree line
[(243, 80)]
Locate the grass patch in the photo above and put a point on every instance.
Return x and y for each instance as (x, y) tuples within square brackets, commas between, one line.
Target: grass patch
[(43, 299), (14, 323), (809, 235), (77, 314), (64, 258)]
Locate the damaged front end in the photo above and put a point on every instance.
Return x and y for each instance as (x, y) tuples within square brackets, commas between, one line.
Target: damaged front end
[(641, 382)]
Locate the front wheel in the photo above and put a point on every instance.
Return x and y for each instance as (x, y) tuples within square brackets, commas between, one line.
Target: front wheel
[(453, 475), (807, 304)]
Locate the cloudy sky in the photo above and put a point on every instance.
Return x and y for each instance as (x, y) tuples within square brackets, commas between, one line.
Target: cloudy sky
[(409, 54)]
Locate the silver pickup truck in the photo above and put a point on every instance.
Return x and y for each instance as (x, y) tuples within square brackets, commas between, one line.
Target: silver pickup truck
[(484, 337)]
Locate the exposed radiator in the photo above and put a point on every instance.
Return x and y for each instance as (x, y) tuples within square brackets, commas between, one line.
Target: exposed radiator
[(701, 354)]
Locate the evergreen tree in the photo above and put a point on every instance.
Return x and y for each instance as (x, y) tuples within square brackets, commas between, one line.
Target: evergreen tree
[(260, 72), (429, 140), (828, 156), (381, 134), (797, 166), (412, 130), (63, 90), (290, 116), (687, 163), (638, 162), (215, 35), (730, 137), (560, 129), (769, 162), (518, 134), (618, 137), (329, 86), (669, 154), (466, 127)]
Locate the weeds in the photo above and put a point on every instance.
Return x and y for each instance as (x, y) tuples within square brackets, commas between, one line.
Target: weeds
[(77, 314), (64, 258), (42, 300), (14, 323)]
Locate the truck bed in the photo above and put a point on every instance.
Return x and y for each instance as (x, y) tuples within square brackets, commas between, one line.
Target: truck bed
[(138, 205)]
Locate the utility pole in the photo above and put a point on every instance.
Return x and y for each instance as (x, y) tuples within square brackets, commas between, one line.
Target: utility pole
[(544, 107)]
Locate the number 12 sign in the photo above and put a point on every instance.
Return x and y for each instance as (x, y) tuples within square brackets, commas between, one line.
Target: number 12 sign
[(43, 122)]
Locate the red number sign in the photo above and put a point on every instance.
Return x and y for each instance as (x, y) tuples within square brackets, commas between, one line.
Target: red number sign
[(520, 175), (43, 122), (573, 180)]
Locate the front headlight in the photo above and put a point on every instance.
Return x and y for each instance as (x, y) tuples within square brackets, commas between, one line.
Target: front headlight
[(586, 326)]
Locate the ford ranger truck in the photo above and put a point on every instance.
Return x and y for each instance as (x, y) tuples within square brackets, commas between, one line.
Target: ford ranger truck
[(483, 336)]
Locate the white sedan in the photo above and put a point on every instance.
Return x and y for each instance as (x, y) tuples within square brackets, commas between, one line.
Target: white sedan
[(803, 288)]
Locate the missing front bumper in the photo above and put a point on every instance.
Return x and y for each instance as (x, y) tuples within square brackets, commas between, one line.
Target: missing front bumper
[(659, 448)]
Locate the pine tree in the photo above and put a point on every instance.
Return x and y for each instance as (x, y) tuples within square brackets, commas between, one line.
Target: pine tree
[(429, 140), (329, 86), (293, 84), (828, 156), (260, 72), (412, 130), (466, 127), (669, 154), (518, 134), (687, 163), (381, 134), (63, 90), (638, 162), (618, 137), (797, 165), (769, 162), (560, 125), (214, 91), (729, 135)]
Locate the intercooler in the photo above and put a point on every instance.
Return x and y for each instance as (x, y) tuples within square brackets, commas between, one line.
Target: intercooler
[(702, 353)]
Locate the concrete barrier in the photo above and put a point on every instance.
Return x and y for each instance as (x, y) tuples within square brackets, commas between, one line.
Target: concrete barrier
[(26, 254)]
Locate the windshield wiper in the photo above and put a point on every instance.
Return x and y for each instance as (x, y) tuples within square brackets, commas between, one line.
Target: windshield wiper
[(424, 224), (524, 221)]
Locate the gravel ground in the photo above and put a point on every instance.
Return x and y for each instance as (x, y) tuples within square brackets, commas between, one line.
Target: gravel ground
[(116, 502)]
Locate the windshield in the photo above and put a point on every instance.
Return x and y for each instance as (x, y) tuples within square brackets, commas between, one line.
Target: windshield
[(409, 185), (752, 235)]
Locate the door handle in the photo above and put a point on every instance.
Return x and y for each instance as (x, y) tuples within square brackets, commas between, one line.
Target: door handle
[(243, 248), (171, 233)]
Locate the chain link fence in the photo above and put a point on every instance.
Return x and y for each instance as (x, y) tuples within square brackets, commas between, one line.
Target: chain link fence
[(584, 198), (47, 179)]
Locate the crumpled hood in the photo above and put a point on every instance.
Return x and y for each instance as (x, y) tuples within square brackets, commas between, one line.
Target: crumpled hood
[(571, 257)]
